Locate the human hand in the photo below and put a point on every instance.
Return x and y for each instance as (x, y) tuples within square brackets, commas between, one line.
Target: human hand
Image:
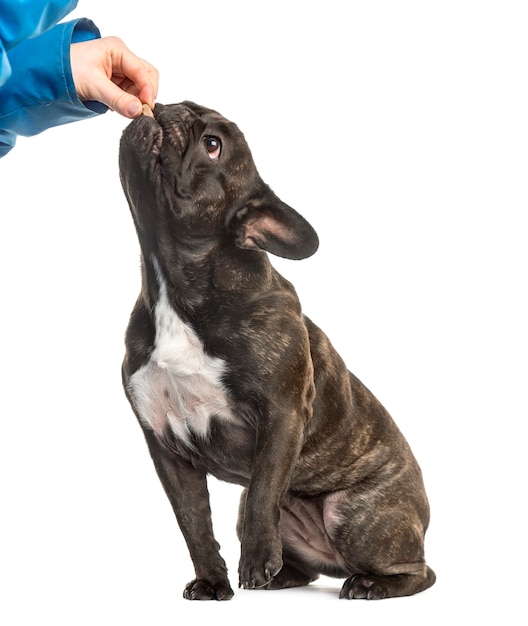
[(105, 70)]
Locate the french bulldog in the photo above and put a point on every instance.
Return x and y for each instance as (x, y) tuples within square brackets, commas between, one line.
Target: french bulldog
[(228, 377)]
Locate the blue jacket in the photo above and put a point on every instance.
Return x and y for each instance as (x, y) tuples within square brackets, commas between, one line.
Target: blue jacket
[(36, 83)]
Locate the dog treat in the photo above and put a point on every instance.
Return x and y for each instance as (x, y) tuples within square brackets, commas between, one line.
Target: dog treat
[(147, 111)]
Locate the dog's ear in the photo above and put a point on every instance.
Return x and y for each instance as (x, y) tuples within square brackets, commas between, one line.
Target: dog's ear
[(267, 223)]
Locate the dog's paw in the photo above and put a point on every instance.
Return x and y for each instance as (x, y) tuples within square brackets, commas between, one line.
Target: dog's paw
[(204, 590), (364, 587), (378, 586), (257, 572)]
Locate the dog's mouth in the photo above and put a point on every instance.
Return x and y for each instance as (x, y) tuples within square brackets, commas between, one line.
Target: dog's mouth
[(173, 124)]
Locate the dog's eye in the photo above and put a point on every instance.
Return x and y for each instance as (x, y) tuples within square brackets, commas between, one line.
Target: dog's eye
[(213, 145)]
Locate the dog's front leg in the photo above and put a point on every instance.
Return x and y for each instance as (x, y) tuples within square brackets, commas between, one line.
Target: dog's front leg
[(277, 449), (186, 488)]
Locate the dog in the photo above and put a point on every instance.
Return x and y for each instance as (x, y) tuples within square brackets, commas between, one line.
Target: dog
[(228, 377)]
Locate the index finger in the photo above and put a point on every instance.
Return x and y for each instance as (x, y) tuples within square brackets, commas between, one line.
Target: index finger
[(142, 74)]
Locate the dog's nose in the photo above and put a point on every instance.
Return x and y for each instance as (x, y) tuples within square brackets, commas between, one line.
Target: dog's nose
[(158, 108)]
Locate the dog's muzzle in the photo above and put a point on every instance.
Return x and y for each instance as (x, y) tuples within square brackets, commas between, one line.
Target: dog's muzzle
[(176, 123)]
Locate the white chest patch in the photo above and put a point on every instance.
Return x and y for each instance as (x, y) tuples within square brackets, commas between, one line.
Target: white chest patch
[(181, 385)]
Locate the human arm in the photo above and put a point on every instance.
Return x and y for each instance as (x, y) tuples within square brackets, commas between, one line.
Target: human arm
[(40, 92), (21, 19), (66, 74)]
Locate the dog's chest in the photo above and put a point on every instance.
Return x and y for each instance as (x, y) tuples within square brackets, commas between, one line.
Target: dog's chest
[(181, 386)]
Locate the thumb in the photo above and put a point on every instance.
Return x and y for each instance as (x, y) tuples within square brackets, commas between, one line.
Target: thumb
[(118, 100), (134, 108)]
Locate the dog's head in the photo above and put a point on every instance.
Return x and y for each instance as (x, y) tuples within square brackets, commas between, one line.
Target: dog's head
[(190, 170)]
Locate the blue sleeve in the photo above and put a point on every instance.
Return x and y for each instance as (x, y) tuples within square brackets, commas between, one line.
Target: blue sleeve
[(41, 93), (20, 19)]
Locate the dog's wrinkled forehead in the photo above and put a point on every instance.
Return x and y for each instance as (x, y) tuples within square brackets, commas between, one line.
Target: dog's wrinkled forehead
[(184, 122)]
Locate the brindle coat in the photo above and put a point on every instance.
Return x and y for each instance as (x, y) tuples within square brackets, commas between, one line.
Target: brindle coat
[(228, 377)]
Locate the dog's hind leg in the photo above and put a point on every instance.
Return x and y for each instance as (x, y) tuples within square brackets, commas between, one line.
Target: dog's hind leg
[(378, 586), (382, 542)]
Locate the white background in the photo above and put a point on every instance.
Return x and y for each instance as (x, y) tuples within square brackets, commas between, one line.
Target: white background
[(399, 130)]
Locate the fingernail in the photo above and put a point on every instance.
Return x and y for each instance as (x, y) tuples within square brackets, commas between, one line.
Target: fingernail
[(134, 108)]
